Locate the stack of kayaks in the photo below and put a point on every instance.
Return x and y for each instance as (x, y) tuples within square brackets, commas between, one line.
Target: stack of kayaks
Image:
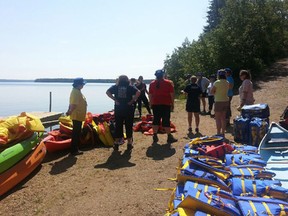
[(60, 139), (21, 154), (218, 178)]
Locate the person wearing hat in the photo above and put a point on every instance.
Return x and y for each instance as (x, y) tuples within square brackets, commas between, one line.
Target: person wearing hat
[(193, 92), (230, 79), (77, 111), (125, 96), (161, 96), (220, 91), (203, 83)]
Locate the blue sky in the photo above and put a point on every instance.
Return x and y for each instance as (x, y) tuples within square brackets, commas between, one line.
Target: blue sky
[(93, 38)]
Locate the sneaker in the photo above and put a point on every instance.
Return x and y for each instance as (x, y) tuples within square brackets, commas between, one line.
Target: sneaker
[(155, 138), (77, 153), (116, 147), (208, 113), (130, 147), (171, 139), (190, 129), (197, 130)]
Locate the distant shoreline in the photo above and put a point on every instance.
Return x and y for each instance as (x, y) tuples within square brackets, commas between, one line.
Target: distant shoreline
[(64, 80)]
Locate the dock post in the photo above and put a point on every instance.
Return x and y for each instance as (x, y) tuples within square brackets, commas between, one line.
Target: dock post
[(50, 101)]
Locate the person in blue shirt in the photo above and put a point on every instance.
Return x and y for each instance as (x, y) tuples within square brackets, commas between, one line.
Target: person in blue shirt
[(230, 79)]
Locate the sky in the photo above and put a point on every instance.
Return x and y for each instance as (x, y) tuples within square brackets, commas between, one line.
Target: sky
[(94, 39)]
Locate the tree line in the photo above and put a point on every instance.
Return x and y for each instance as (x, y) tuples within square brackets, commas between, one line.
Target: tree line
[(240, 34)]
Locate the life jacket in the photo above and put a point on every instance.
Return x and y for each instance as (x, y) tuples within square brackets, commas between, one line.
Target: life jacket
[(194, 165), (258, 188), (217, 151), (244, 149), (250, 171), (216, 202), (250, 206), (186, 212), (244, 159), (206, 140)]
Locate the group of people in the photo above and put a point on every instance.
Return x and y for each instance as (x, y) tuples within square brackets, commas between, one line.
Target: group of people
[(219, 90), (126, 94)]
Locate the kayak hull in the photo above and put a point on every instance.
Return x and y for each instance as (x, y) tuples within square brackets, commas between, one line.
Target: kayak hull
[(11, 177), (274, 149)]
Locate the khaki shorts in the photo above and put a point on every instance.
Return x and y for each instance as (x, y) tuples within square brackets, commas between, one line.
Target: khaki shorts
[(221, 106)]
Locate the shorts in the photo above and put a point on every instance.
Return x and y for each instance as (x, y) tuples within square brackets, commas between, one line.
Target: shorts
[(161, 112), (193, 106), (204, 94), (221, 106)]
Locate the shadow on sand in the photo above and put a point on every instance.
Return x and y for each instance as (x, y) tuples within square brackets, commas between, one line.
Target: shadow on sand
[(160, 152), (62, 165), (192, 136), (117, 160)]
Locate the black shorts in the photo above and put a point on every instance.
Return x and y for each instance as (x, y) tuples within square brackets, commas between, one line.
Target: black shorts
[(161, 112), (193, 106), (204, 94)]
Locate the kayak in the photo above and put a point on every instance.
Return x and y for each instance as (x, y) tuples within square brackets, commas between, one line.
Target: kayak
[(15, 153), (11, 177), (56, 141), (273, 148), (15, 129)]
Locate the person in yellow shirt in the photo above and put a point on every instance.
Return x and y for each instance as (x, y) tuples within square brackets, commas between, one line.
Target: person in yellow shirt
[(77, 111), (220, 91)]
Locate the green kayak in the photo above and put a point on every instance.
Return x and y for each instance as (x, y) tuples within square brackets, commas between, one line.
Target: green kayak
[(15, 153)]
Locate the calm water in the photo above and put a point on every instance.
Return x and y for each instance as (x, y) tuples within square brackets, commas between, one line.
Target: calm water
[(17, 97)]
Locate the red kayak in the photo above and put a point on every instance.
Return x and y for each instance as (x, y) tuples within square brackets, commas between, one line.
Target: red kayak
[(56, 141)]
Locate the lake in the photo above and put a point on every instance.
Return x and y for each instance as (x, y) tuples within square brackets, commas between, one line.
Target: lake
[(17, 97)]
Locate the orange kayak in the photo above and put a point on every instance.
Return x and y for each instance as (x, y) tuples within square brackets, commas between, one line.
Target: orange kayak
[(11, 177)]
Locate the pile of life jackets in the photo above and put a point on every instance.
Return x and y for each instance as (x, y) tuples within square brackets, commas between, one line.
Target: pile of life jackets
[(145, 126), (217, 178)]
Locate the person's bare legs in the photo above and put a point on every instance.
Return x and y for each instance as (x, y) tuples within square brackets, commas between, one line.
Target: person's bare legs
[(203, 103), (223, 122), (197, 119), (155, 131), (190, 119), (218, 121)]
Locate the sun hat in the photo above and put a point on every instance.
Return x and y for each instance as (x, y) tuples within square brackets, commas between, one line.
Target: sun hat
[(159, 73), (228, 70), (78, 81), (221, 72)]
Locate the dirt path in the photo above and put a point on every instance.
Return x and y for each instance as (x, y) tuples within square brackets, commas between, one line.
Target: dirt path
[(103, 183)]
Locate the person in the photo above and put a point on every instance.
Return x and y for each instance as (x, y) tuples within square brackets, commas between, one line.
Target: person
[(230, 80), (246, 89), (142, 87), (220, 91), (193, 92), (203, 83), (212, 79), (133, 82), (161, 96), (124, 95), (77, 111)]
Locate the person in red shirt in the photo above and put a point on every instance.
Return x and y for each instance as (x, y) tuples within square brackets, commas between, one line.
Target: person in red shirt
[(161, 96)]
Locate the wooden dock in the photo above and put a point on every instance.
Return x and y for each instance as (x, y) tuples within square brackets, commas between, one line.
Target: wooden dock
[(48, 118)]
